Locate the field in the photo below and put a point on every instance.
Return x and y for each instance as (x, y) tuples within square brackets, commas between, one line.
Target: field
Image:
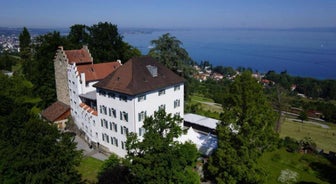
[(310, 168), (89, 168), (325, 138)]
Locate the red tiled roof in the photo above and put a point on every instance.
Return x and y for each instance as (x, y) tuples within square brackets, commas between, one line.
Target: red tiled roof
[(88, 109), (134, 77), (55, 111), (94, 72), (78, 56)]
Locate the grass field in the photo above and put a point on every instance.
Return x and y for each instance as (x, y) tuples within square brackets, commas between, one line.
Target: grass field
[(310, 168), (207, 104), (325, 138), (208, 107), (89, 168)]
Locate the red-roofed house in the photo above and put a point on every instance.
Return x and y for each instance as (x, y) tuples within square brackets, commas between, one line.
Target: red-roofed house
[(133, 91), (57, 113)]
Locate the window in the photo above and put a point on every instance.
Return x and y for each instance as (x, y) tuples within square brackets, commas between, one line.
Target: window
[(123, 145), (111, 126), (112, 112), (116, 142), (105, 138), (177, 87), (123, 130), (163, 106), (141, 98), (177, 103), (105, 123), (142, 131), (112, 138), (141, 115), (162, 92), (103, 109), (115, 127), (124, 116)]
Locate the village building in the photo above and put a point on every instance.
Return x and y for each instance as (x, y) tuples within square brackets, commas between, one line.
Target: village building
[(57, 113), (135, 90)]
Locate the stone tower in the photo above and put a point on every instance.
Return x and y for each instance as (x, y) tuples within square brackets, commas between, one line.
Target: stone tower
[(62, 60)]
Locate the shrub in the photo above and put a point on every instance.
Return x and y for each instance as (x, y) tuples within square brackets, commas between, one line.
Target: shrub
[(291, 144)]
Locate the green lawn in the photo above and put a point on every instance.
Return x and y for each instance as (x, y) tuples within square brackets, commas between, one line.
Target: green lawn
[(207, 104), (323, 137), (89, 168), (310, 168)]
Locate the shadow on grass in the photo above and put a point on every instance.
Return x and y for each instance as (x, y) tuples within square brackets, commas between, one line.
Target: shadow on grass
[(326, 172), (307, 182)]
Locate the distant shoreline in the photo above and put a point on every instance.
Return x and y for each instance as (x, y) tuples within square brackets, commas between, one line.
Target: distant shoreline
[(235, 50)]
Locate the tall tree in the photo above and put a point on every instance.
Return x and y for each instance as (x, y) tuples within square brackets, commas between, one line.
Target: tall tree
[(25, 50), (78, 35), (246, 132), (158, 158), (24, 39), (105, 42), (168, 50)]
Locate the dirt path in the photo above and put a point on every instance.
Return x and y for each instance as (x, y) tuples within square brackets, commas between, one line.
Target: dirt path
[(310, 122)]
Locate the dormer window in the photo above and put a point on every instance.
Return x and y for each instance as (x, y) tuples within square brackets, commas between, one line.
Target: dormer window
[(153, 70)]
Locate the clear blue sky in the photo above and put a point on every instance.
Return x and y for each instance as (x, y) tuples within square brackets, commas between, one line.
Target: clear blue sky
[(169, 13)]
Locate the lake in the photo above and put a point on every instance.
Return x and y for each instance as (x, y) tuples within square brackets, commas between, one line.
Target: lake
[(300, 53)]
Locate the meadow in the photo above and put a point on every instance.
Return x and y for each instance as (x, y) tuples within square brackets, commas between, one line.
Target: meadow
[(89, 169)]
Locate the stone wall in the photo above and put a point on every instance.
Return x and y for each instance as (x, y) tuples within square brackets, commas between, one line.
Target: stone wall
[(61, 76)]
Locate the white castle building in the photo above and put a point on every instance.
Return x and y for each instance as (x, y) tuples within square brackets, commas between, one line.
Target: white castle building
[(108, 100)]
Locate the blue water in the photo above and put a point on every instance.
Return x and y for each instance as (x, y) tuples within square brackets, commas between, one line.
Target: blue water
[(300, 53)]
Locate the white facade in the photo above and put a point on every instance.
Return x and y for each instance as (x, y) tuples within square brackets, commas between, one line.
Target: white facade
[(84, 116), (114, 114), (119, 113)]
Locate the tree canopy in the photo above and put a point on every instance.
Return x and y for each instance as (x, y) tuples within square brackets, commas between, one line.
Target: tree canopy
[(31, 150), (158, 158), (168, 50), (79, 35), (104, 41), (246, 132)]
